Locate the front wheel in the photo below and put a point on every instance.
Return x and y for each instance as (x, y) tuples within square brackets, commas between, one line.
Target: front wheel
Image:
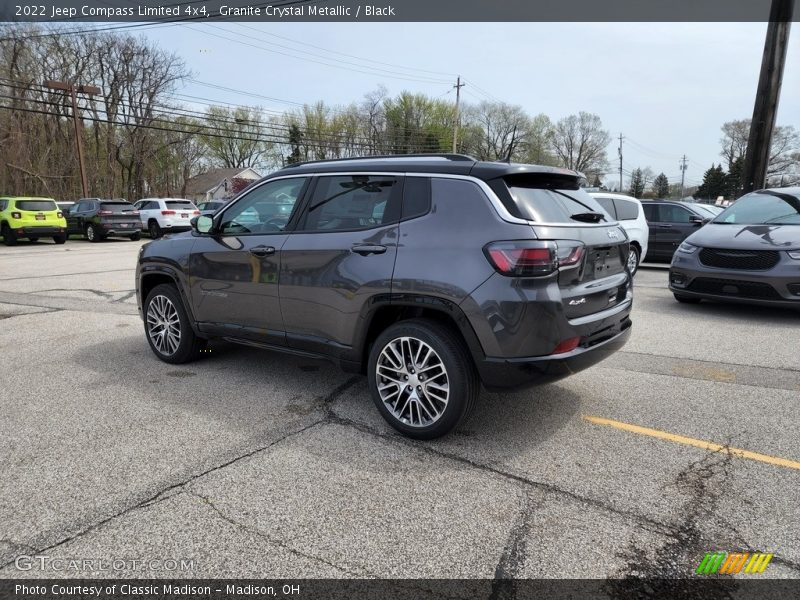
[(33, 238), (633, 259), (167, 326), (422, 378), (92, 234), (136, 237)]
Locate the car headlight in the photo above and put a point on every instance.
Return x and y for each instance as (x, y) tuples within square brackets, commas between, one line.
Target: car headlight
[(687, 248), (795, 254)]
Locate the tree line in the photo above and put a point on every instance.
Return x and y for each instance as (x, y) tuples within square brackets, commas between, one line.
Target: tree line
[(144, 137)]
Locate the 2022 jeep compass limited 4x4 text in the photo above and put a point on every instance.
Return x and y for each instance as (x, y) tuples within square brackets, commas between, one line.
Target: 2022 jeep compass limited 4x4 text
[(431, 274)]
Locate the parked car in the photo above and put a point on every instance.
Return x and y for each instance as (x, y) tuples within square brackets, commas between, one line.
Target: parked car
[(749, 253), (711, 209), (31, 218), (432, 274), (98, 219), (165, 215), (628, 211), (209, 208), (670, 222)]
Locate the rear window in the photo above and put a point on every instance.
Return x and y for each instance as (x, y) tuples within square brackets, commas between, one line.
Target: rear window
[(36, 205), (180, 204), (547, 199), (117, 207)]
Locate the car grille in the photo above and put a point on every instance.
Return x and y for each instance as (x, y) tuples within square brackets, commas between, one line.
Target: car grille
[(749, 260), (734, 288)]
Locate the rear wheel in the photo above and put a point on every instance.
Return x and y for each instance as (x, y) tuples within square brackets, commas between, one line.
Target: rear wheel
[(154, 229), (422, 378), (167, 326), (60, 238), (136, 237), (633, 259), (9, 235), (686, 299)]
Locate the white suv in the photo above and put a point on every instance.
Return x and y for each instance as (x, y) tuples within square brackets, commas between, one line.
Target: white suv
[(628, 211), (162, 215)]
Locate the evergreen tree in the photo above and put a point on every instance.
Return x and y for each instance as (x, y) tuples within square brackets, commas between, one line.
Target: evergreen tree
[(637, 183), (295, 138), (661, 186), (715, 183), (733, 182)]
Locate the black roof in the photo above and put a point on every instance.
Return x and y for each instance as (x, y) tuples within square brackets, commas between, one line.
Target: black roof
[(451, 164)]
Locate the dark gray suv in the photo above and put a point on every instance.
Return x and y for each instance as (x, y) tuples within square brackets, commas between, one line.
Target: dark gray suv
[(431, 274)]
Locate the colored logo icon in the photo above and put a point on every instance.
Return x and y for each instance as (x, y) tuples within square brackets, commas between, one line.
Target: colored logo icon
[(730, 563)]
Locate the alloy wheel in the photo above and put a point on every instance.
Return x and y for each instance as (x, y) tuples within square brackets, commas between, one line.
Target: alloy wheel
[(412, 381), (633, 260), (163, 325)]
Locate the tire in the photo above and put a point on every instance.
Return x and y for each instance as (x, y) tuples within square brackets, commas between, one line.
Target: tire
[(60, 239), (154, 229), (92, 234), (136, 237), (164, 303), (33, 239), (402, 408), (9, 236), (634, 256), (686, 299)]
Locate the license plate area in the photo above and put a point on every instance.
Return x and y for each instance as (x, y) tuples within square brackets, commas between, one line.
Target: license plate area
[(40, 217)]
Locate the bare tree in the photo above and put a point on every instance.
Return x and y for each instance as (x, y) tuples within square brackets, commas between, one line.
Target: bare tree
[(579, 141), (236, 137), (784, 153)]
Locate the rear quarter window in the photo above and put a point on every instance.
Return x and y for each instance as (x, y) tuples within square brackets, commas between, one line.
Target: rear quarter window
[(36, 205), (546, 198)]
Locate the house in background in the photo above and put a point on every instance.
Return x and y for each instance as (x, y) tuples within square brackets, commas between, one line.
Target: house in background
[(217, 184)]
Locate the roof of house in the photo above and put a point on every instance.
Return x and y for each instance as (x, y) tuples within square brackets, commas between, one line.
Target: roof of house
[(200, 184)]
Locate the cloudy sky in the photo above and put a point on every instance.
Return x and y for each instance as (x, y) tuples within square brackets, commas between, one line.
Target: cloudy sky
[(667, 87)]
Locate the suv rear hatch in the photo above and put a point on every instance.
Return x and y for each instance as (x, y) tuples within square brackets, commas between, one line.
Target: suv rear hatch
[(119, 215), (590, 248), (37, 213)]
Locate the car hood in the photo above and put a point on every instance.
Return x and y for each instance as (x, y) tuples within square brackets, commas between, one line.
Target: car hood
[(747, 237)]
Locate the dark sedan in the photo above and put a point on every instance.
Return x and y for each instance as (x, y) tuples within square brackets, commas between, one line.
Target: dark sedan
[(749, 253)]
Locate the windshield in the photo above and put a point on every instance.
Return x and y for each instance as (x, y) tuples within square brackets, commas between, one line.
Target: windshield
[(545, 201), (762, 208)]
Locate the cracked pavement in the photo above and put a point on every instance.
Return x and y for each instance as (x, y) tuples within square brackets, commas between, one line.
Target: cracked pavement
[(255, 464)]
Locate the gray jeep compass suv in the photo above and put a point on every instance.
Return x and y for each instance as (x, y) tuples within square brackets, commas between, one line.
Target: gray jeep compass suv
[(432, 274)]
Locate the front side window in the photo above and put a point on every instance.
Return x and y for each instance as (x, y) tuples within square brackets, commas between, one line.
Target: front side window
[(762, 208), (675, 214), (626, 210), (353, 202), (265, 209)]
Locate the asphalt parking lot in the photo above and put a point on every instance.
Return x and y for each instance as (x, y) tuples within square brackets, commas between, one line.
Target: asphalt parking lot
[(253, 464)]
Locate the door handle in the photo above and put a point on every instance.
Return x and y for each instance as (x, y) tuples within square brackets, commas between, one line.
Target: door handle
[(262, 251), (665, 226), (366, 249)]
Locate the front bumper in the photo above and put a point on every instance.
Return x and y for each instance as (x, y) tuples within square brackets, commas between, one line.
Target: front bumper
[(778, 286), (515, 373)]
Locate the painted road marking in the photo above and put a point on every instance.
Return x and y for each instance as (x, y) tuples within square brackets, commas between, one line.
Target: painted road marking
[(705, 445)]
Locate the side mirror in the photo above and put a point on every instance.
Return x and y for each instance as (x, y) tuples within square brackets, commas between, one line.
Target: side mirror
[(202, 224), (697, 220)]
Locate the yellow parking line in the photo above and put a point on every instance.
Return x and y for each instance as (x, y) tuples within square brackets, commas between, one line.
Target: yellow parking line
[(681, 439)]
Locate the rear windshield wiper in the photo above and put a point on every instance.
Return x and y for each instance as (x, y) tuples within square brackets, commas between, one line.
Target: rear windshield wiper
[(588, 217)]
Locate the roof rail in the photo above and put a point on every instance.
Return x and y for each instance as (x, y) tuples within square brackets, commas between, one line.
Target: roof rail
[(442, 156)]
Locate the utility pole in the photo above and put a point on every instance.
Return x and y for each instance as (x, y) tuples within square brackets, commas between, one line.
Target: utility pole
[(458, 87), (72, 89), (620, 162), (756, 158), (683, 174)]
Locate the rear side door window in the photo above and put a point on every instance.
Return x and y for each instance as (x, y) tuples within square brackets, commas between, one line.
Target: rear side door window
[(353, 203), (626, 210), (651, 212), (608, 206)]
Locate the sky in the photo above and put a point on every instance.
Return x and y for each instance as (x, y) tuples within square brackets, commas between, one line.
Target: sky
[(666, 87)]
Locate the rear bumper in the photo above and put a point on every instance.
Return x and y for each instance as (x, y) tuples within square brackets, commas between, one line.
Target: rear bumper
[(117, 229), (40, 230), (515, 373)]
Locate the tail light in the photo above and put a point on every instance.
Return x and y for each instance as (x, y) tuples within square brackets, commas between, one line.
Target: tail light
[(60, 215), (167, 213), (531, 258), (135, 213), (16, 215), (104, 212), (197, 212)]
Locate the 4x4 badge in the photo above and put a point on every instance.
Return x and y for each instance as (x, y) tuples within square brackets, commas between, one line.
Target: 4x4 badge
[(577, 302)]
